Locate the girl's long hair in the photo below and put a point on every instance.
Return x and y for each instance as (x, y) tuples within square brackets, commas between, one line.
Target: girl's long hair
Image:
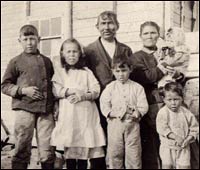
[(81, 62)]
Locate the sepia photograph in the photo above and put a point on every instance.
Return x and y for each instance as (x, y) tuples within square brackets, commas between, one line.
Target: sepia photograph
[(99, 84)]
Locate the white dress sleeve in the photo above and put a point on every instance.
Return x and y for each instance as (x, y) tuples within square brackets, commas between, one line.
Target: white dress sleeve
[(93, 86), (58, 82)]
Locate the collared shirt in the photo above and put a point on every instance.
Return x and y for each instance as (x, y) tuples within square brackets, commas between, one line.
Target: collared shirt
[(117, 97), (149, 51), (29, 70), (109, 47)]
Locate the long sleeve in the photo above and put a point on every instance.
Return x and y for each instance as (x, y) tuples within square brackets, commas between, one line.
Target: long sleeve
[(94, 87), (162, 126), (145, 68), (8, 85), (105, 101), (58, 90), (142, 104), (193, 125), (58, 84)]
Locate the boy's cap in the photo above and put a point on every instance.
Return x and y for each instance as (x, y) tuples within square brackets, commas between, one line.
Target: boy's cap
[(28, 30)]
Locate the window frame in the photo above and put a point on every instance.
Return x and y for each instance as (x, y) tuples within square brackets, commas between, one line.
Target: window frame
[(31, 19)]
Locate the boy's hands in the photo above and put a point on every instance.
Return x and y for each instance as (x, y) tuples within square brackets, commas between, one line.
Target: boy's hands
[(179, 140), (187, 141), (130, 110), (132, 114), (32, 92), (136, 115)]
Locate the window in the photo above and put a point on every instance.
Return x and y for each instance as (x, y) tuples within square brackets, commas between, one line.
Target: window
[(51, 34)]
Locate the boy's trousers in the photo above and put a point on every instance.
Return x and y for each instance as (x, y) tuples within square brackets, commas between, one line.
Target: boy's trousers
[(25, 122), (124, 145), (172, 158)]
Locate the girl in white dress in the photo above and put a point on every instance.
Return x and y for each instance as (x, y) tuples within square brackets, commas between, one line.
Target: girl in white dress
[(78, 131)]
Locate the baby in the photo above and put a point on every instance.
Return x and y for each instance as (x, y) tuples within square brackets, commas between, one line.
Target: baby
[(174, 56)]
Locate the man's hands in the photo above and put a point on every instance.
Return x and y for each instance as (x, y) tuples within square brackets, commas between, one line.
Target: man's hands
[(32, 92)]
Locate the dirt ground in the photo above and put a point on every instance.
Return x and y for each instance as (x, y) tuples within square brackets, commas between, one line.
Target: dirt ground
[(6, 155), (7, 151)]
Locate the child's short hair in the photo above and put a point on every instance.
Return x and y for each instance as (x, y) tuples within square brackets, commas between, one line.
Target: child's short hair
[(120, 61), (173, 87), (108, 14), (81, 62), (28, 30), (149, 23)]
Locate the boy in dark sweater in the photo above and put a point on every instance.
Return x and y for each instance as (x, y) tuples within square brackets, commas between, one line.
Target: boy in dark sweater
[(27, 80)]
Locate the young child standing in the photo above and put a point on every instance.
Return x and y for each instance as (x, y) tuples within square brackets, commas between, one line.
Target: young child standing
[(174, 55), (28, 81), (177, 128), (123, 103), (78, 131)]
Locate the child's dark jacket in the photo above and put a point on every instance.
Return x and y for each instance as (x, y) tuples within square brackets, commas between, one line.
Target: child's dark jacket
[(27, 70)]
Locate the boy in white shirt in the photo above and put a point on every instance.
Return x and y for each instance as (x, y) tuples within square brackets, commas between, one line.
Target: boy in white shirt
[(177, 128), (123, 103)]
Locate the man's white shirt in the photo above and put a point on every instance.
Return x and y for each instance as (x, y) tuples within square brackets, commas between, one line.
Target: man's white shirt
[(109, 47)]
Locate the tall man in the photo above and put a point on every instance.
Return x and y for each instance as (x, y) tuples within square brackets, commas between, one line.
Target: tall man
[(99, 58)]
